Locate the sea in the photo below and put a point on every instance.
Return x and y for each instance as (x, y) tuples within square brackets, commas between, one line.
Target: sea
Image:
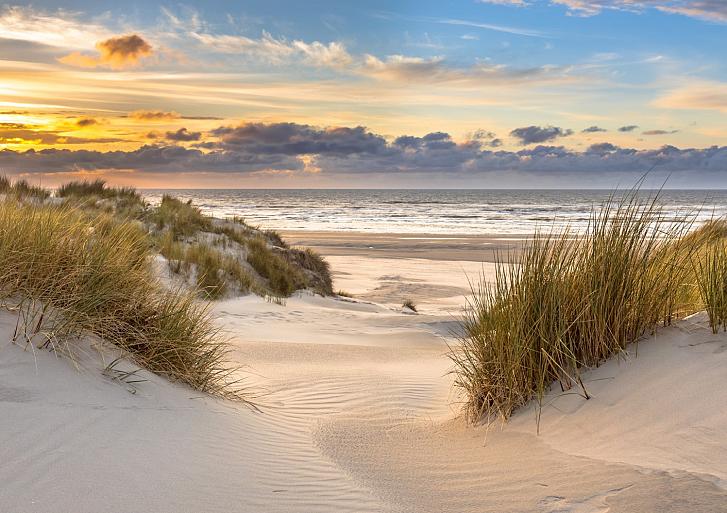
[(472, 212)]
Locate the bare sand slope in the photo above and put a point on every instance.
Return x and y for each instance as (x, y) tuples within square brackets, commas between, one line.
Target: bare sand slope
[(358, 415)]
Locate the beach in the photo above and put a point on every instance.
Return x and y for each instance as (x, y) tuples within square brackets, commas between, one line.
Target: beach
[(357, 412), (363, 257)]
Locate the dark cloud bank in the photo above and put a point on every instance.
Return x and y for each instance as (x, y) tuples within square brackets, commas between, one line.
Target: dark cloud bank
[(285, 146)]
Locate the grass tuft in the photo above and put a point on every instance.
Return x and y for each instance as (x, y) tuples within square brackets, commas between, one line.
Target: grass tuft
[(283, 278), (711, 272), (408, 303), (21, 189), (182, 218), (319, 276), (67, 274), (213, 269), (96, 188), (568, 302)]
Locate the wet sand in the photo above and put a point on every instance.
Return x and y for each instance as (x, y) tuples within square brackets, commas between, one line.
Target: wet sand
[(477, 248)]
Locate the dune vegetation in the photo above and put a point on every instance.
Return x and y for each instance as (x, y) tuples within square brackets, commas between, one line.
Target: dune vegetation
[(569, 301), (67, 274), (80, 262), (22, 189), (221, 258), (711, 273)]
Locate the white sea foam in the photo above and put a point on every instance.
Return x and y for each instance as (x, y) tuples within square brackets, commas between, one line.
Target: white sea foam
[(427, 211)]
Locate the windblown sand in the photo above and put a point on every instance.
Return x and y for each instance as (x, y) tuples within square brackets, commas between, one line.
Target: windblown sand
[(359, 415)]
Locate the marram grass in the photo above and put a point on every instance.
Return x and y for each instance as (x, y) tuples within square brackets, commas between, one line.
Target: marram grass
[(68, 274), (711, 272), (568, 302)]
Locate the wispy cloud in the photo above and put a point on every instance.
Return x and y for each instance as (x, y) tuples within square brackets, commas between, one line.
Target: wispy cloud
[(518, 3), (659, 132), (278, 50), (699, 95), (60, 29), (711, 10), (153, 115), (437, 70), (489, 26)]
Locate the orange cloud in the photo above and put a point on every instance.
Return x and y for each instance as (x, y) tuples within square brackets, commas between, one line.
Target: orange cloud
[(700, 96), (115, 53), (153, 115)]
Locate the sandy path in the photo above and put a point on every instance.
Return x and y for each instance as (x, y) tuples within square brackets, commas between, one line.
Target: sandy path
[(359, 416)]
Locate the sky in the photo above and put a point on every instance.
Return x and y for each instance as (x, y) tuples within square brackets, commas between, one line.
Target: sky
[(375, 94)]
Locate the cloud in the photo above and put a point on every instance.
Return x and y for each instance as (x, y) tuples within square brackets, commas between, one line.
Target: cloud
[(269, 49), (116, 53), (628, 128), (153, 115), (278, 50), (593, 129), (489, 26), (710, 10), (469, 160), (62, 29), (15, 133), (291, 147), (485, 138), (148, 158), (602, 148), (519, 3), (537, 134), (331, 55), (296, 139), (183, 135), (659, 132), (85, 122), (581, 7), (402, 68), (700, 96)]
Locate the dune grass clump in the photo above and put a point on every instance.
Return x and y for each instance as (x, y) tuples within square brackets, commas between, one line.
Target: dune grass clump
[(409, 303), (275, 239), (711, 272), (96, 188), (124, 202), (283, 278), (567, 302), (68, 274), (181, 217), (213, 269), (21, 189), (319, 268)]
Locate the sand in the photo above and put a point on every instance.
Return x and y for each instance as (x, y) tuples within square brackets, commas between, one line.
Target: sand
[(429, 246), (358, 414)]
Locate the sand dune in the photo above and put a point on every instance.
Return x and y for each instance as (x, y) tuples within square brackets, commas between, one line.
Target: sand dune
[(358, 415)]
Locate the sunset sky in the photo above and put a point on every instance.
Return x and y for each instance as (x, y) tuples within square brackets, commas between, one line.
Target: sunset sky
[(489, 93)]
